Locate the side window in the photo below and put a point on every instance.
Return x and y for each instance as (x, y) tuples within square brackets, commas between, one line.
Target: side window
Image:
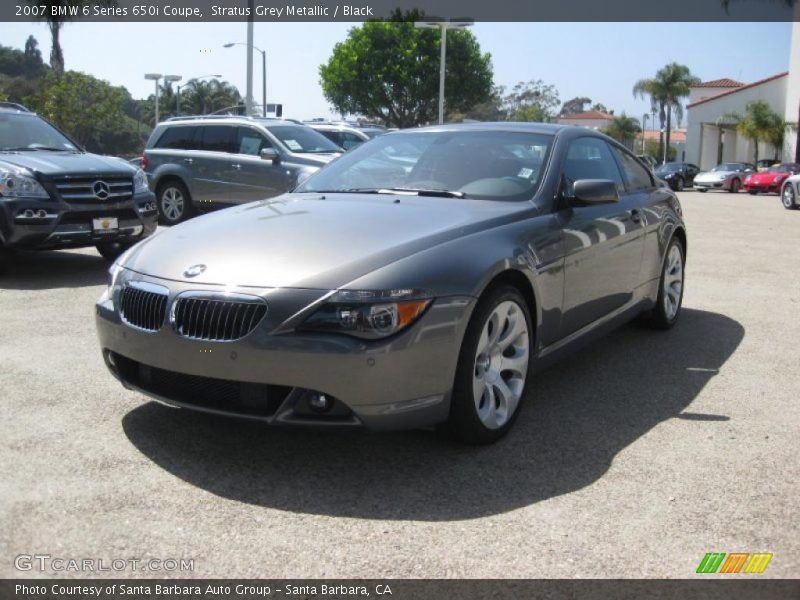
[(250, 141), (217, 138), (333, 136), (590, 158), (636, 176), (178, 138), (349, 140)]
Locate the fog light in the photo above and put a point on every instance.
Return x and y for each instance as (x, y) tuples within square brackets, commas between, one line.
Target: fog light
[(319, 402), (41, 213), (28, 214)]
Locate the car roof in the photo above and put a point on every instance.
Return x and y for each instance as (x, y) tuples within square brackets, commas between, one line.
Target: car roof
[(526, 127)]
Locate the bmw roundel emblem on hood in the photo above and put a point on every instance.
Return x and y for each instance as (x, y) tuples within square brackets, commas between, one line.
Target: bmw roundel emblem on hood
[(194, 270)]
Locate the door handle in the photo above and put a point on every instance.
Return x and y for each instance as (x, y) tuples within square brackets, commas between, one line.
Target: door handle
[(188, 160), (636, 215), (236, 166)]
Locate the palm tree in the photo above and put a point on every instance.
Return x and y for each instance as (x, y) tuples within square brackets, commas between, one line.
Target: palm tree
[(757, 124), (666, 91), (776, 134), (623, 129), (49, 11), (203, 97)]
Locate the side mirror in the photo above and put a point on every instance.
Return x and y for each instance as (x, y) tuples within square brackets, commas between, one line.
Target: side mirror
[(589, 192), (270, 154)]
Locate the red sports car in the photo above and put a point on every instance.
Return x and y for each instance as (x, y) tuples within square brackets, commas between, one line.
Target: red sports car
[(770, 180)]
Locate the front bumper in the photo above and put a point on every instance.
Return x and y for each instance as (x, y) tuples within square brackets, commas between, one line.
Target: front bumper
[(400, 383), (763, 188), (712, 185), (65, 225)]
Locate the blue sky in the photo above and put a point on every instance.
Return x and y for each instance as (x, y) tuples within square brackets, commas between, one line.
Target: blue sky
[(598, 60)]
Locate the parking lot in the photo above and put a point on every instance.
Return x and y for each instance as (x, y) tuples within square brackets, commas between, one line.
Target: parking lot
[(632, 458)]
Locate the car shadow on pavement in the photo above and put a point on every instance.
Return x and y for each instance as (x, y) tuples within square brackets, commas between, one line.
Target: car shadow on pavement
[(579, 415), (31, 270)]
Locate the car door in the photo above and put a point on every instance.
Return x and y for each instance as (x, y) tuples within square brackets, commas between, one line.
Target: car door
[(211, 165), (691, 173), (252, 177), (603, 243)]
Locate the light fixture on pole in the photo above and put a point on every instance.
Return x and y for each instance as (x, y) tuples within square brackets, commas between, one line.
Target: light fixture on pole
[(444, 26), (188, 81), (263, 72)]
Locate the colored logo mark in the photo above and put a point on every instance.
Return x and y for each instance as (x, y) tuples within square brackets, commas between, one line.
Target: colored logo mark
[(735, 562)]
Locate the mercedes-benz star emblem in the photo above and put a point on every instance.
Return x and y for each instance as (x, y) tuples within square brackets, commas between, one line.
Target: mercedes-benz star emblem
[(101, 190), (194, 270)]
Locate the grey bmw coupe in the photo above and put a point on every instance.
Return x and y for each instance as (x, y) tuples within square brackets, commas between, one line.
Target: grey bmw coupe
[(420, 279)]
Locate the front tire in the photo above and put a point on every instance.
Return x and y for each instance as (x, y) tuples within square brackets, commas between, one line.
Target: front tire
[(679, 185), (736, 185), (174, 202), (670, 288), (788, 197), (752, 192), (493, 368)]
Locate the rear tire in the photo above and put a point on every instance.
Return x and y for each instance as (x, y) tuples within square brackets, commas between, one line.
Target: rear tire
[(752, 192), (670, 287), (174, 202), (493, 368), (788, 197), (5, 259), (736, 185), (702, 190)]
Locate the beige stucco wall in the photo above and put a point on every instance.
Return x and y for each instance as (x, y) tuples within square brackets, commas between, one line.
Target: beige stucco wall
[(793, 87)]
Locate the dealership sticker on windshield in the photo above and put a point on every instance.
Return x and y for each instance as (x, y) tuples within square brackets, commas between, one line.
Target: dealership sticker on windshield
[(105, 224), (293, 145), (525, 173)]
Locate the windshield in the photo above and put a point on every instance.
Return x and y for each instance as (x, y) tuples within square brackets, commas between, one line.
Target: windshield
[(669, 168), (28, 132), (729, 167), (299, 138), (781, 169), (492, 165)]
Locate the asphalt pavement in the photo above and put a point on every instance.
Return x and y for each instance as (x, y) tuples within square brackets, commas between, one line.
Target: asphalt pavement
[(632, 458)]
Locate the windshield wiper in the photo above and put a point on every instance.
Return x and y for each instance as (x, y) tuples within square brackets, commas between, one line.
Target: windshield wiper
[(394, 190), (35, 148)]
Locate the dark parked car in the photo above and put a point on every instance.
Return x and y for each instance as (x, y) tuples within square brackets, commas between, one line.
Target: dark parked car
[(54, 194), (196, 163), (678, 175), (401, 289)]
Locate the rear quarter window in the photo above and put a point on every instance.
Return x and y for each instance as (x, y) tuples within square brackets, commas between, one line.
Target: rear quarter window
[(181, 137)]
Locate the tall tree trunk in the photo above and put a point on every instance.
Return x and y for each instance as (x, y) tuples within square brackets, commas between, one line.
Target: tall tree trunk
[(56, 54), (669, 126), (756, 140)]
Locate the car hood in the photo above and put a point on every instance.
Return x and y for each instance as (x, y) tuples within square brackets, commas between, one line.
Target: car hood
[(766, 177), (714, 175), (666, 174), (60, 163), (312, 241), (318, 159)]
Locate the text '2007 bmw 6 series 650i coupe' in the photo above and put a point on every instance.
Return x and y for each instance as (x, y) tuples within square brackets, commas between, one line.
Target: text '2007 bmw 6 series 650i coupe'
[(418, 280)]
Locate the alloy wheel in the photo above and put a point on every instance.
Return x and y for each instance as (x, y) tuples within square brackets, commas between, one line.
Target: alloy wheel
[(788, 196), (673, 282), (501, 364), (172, 204)]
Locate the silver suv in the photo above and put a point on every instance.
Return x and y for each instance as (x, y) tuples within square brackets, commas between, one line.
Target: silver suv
[(196, 163), (344, 135)]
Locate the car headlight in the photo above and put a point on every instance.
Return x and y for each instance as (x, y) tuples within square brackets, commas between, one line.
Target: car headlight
[(368, 314), (140, 182), (20, 183)]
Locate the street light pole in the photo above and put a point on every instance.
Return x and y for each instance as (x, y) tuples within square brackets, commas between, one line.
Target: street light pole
[(248, 102), (154, 77), (263, 72), (444, 25), (645, 116)]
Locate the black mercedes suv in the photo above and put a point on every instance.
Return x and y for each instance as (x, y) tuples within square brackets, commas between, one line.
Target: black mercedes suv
[(54, 194)]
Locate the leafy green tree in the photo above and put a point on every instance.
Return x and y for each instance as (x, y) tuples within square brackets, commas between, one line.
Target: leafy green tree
[(624, 129), (201, 97), (575, 106), (666, 91), (55, 20), (601, 107), (654, 149), (531, 101), (21, 72), (82, 106), (389, 70), (759, 123)]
